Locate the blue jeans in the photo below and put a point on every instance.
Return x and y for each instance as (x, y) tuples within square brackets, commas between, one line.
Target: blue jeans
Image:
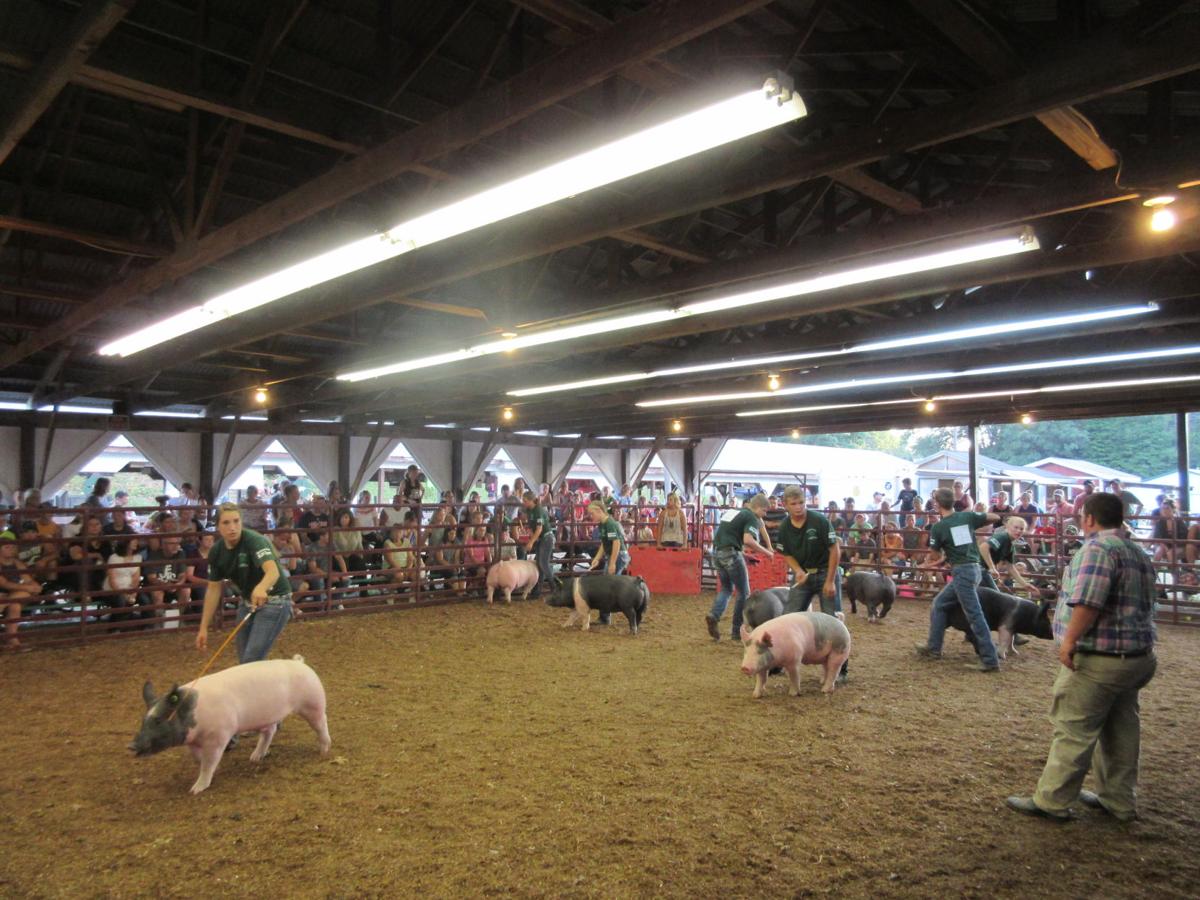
[(732, 576), (255, 640), (963, 590), (544, 550), (801, 595)]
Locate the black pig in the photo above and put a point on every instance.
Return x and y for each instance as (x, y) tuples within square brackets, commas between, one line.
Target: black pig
[(606, 593), (1008, 616)]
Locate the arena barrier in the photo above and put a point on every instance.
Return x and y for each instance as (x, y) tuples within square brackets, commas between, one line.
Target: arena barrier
[(74, 598)]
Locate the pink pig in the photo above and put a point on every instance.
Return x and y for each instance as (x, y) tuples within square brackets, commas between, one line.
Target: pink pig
[(512, 575), (204, 714), (811, 638)]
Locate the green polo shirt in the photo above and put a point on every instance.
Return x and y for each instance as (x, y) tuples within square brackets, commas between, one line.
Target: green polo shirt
[(954, 537), (610, 531), (243, 565), (1000, 545), (539, 516), (809, 543), (735, 525)]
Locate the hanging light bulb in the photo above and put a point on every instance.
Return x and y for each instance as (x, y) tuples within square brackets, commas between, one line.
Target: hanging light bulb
[(1162, 220), (930, 406), (1026, 419), (260, 395), (773, 382), (677, 425), (795, 434), (507, 414)]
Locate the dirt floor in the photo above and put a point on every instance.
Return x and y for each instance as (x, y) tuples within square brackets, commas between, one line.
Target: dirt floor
[(487, 752)]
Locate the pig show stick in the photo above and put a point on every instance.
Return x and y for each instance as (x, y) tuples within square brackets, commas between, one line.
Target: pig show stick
[(232, 635)]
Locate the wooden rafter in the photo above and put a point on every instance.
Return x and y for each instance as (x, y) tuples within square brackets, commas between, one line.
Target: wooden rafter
[(87, 30), (644, 35)]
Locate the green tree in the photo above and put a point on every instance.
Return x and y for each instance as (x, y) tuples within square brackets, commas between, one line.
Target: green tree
[(923, 442), (1022, 444)]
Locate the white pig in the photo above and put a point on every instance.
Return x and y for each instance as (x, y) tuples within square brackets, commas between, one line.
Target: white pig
[(808, 638), (512, 575), (204, 714)]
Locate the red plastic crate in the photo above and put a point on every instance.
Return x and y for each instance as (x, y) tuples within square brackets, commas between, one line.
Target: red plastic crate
[(670, 570), (766, 573)]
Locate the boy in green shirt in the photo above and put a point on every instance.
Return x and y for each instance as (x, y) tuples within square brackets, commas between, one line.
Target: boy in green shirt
[(738, 528), (953, 539), (541, 540), (247, 559)]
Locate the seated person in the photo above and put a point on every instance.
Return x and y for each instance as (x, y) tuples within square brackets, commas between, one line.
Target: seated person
[(124, 574), (401, 554), (1169, 529), (321, 570), (508, 550), (17, 587), (891, 549), (477, 554), (87, 554), (166, 571)]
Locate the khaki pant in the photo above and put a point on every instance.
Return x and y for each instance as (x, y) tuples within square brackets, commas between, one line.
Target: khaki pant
[(1096, 725)]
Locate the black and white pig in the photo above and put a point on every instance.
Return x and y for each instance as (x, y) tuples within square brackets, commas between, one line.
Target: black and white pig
[(871, 589), (606, 593), (1008, 616), (765, 605)]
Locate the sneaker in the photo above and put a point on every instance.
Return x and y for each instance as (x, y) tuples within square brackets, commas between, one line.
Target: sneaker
[(1027, 806), (712, 628), (980, 667), (924, 652), (1093, 801)]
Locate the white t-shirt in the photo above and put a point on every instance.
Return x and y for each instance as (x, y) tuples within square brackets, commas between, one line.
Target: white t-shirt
[(124, 579)]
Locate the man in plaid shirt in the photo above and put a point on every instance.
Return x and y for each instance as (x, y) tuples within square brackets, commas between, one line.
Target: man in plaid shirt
[(1104, 626)]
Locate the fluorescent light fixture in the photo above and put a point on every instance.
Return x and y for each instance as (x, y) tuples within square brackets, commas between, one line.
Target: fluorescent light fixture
[(825, 407), (442, 425), (739, 116), (978, 250), (987, 247), (169, 414), (566, 435), (1050, 389), (78, 409), (246, 418), (934, 337), (1106, 359), (610, 437), (322, 421)]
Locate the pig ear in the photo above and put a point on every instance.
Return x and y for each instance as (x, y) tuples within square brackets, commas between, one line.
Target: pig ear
[(765, 640), (745, 633), (148, 694)]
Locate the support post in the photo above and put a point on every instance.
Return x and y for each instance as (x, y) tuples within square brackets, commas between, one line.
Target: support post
[(27, 462), (208, 486), (689, 471), (623, 466), (1182, 442), (547, 464), (973, 459), (456, 467), (343, 463)]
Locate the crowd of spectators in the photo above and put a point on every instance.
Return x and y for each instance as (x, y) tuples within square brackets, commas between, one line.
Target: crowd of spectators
[(152, 563)]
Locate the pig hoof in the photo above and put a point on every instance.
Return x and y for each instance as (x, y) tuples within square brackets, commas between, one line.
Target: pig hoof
[(197, 788), (757, 695), (258, 757)]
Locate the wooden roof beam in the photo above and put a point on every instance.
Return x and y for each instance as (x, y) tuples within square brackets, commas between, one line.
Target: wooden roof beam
[(62, 62), (991, 53), (642, 36), (91, 239)]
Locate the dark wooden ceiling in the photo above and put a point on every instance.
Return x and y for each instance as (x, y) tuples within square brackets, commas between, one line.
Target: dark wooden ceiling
[(153, 153)]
